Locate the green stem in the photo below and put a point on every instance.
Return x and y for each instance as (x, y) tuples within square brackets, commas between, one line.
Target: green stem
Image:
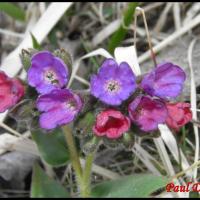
[(83, 176), (88, 169), (73, 155), (87, 175)]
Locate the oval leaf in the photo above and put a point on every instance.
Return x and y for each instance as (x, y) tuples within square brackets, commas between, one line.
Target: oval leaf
[(140, 185), (36, 44), (52, 146), (120, 34), (13, 11), (43, 187)]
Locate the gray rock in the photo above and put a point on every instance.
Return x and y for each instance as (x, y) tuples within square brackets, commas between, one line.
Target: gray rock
[(14, 167)]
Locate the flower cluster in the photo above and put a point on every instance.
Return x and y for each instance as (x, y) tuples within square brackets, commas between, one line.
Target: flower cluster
[(11, 91), (153, 104), (127, 100), (49, 75)]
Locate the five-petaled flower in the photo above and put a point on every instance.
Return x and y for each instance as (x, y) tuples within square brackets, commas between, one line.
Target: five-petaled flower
[(59, 107), (178, 114), (111, 123), (11, 91), (114, 83), (165, 81), (147, 112), (47, 72)]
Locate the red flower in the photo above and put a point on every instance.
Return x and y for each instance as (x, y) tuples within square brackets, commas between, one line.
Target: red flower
[(111, 123), (11, 91), (179, 114)]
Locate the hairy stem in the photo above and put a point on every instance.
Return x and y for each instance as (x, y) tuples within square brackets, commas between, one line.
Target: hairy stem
[(73, 155), (87, 175), (88, 169)]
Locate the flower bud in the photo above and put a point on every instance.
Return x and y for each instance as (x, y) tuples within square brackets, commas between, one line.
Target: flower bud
[(11, 91), (111, 123), (25, 57), (147, 112), (165, 81), (128, 140), (66, 57), (179, 114)]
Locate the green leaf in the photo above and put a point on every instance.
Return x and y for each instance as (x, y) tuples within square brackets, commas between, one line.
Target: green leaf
[(43, 187), (25, 59), (13, 11), (35, 43), (53, 38), (86, 122), (52, 146), (120, 34), (26, 56), (88, 49), (193, 194), (140, 185)]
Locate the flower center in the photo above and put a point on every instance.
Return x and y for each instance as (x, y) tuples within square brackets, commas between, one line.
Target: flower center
[(112, 86), (51, 77), (113, 123), (71, 105)]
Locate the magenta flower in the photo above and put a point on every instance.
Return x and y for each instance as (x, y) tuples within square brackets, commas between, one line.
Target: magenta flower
[(147, 112), (111, 123), (114, 83), (179, 114), (11, 91), (165, 81), (59, 107), (47, 72)]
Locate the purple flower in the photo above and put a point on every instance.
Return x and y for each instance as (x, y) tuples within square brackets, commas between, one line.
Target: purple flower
[(47, 72), (147, 112), (114, 83), (59, 107), (165, 81)]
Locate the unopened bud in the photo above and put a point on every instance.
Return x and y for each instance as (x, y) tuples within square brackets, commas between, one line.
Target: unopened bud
[(26, 56), (66, 57), (128, 140)]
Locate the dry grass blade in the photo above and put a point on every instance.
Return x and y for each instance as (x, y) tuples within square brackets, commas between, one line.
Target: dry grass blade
[(163, 17), (171, 143), (170, 39), (106, 32), (100, 51), (114, 25), (177, 17), (192, 11), (129, 55), (6, 142), (140, 10), (164, 156), (11, 33), (8, 128), (40, 31), (146, 158), (193, 105), (23, 144), (82, 80), (102, 171)]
